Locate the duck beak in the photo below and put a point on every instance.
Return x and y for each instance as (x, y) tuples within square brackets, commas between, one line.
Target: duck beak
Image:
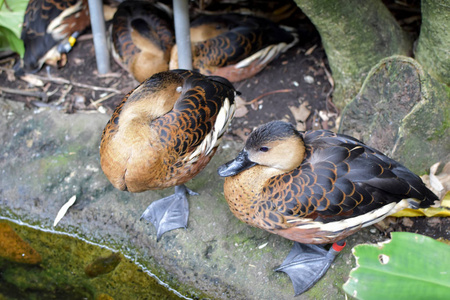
[(237, 165)]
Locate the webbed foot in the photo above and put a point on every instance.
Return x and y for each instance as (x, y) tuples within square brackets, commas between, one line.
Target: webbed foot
[(306, 264), (169, 213)]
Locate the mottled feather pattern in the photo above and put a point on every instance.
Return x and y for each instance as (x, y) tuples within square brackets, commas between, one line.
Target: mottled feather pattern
[(48, 22), (252, 35), (147, 20), (175, 135), (193, 117), (339, 179)]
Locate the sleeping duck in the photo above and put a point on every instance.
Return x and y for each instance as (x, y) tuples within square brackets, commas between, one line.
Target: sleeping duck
[(142, 38), (242, 51), (274, 10), (315, 187), (164, 133), (50, 29)]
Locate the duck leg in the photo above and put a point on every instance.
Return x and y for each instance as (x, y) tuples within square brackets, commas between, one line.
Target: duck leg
[(169, 213), (306, 264)]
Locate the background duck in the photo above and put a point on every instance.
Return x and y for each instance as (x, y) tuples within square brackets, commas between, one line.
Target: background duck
[(142, 38), (163, 133), (274, 10), (242, 51), (47, 25), (315, 187), (205, 26)]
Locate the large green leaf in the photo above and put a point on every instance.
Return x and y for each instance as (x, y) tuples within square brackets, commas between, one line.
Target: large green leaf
[(11, 19), (409, 266)]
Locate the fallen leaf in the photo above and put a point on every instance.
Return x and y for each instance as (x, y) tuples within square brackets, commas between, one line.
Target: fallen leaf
[(300, 114), (64, 209), (31, 79), (14, 248), (407, 222), (241, 109), (242, 133), (311, 50)]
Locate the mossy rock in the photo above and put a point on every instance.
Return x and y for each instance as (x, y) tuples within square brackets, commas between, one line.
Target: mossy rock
[(50, 156), (403, 112)]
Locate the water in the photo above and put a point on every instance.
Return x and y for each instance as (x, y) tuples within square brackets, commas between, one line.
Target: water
[(37, 264)]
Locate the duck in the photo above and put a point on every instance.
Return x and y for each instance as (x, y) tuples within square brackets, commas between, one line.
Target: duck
[(205, 26), (163, 134), (142, 36), (242, 51), (315, 188), (50, 29), (276, 11)]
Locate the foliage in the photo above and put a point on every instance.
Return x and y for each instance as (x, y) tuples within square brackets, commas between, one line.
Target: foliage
[(11, 18), (409, 266)]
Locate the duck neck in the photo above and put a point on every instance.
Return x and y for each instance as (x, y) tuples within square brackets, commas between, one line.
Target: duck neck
[(254, 179)]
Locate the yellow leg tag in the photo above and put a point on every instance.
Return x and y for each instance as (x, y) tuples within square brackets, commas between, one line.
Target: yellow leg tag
[(72, 41)]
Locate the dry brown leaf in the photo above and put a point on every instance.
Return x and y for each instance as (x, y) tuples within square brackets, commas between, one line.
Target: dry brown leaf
[(241, 109), (300, 113), (242, 133), (31, 79), (311, 50), (438, 182)]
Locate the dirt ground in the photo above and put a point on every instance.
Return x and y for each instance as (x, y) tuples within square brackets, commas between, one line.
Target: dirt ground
[(296, 87)]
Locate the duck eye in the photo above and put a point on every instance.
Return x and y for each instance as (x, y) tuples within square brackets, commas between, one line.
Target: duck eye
[(264, 149)]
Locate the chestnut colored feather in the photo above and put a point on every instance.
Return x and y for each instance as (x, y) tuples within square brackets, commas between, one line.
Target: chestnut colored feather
[(339, 186), (241, 46), (166, 130), (142, 37)]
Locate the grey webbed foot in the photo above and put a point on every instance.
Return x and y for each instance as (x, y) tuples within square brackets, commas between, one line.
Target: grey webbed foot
[(306, 264), (169, 213)]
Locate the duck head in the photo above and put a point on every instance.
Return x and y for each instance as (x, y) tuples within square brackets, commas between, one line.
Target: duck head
[(276, 145)]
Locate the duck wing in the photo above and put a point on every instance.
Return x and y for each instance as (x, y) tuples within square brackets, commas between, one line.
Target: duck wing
[(342, 185), (46, 23), (251, 45), (199, 118)]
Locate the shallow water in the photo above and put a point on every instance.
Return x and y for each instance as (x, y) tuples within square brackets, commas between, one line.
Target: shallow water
[(37, 264)]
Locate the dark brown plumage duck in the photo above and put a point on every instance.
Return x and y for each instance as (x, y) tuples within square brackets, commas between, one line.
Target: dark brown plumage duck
[(164, 133), (274, 10), (242, 51), (315, 187), (142, 38), (50, 29), (204, 27)]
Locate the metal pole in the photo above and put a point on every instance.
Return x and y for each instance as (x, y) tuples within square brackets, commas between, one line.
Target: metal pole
[(182, 33), (99, 35)]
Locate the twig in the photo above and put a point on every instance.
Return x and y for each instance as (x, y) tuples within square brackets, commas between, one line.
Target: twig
[(94, 103), (82, 85), (267, 94), (328, 101), (41, 95)]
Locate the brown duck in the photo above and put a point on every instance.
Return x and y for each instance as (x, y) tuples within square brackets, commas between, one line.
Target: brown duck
[(315, 187), (142, 38), (164, 133), (50, 29), (246, 48)]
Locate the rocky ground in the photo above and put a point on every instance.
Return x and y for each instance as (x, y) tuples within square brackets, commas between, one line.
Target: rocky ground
[(50, 140)]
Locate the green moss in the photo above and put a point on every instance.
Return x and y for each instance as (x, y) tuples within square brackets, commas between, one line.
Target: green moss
[(62, 273)]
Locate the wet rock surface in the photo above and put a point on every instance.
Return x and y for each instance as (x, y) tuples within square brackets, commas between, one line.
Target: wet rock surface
[(48, 156)]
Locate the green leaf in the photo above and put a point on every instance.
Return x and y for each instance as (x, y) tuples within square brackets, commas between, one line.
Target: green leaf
[(409, 266), (10, 40), (11, 19)]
